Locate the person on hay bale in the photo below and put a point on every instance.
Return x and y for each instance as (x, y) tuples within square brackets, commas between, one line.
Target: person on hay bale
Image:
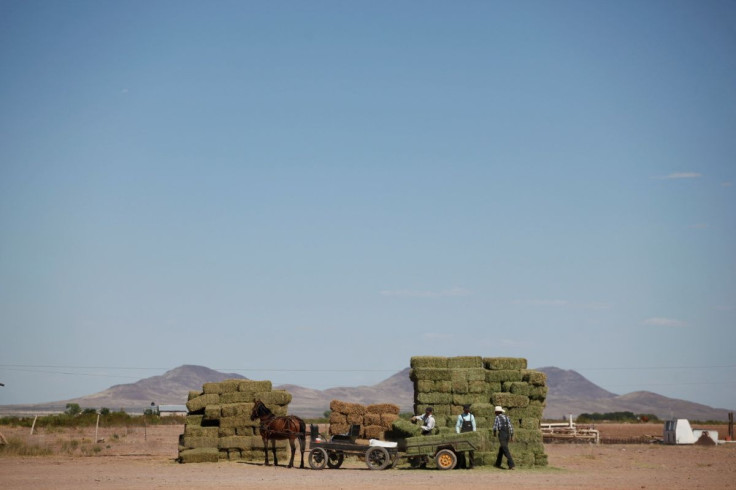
[(466, 423), (502, 426), (428, 423)]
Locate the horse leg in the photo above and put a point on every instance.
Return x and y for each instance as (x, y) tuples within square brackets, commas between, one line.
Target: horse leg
[(302, 443), (293, 450), (265, 449), (273, 447)]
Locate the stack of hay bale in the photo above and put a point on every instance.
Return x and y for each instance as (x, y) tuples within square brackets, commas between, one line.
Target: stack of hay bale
[(447, 384), (374, 420), (218, 424)]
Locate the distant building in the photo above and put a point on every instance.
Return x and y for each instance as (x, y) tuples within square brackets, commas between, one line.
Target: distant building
[(168, 410)]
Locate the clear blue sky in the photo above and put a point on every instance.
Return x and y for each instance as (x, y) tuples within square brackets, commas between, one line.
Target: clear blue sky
[(273, 187)]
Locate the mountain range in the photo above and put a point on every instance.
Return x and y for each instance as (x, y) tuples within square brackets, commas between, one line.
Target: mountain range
[(569, 393)]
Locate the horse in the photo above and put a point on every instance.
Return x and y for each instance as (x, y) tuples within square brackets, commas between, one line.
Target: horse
[(279, 428)]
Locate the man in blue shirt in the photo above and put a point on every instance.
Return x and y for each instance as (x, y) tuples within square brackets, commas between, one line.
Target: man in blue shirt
[(502, 426), (466, 423)]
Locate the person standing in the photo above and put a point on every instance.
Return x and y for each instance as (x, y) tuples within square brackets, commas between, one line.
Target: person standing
[(428, 423), (466, 423), (502, 426)]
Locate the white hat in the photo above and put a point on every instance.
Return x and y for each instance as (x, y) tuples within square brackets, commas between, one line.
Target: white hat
[(498, 409)]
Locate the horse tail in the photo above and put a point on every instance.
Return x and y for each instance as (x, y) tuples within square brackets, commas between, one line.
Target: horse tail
[(302, 433)]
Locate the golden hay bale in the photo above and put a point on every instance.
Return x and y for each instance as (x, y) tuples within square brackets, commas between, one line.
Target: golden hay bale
[(338, 418), (373, 432), (387, 419), (382, 408), (347, 408), (372, 419), (339, 429), (355, 419)]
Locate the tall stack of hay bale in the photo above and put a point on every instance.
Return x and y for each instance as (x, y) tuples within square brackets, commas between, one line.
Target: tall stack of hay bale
[(374, 420), (218, 424), (448, 383)]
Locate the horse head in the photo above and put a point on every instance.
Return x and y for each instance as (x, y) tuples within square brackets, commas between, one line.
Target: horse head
[(259, 410)]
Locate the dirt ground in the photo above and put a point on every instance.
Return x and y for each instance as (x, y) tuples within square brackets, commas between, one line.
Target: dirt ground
[(135, 458)]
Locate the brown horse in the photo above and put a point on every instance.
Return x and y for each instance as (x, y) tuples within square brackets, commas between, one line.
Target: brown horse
[(278, 428)]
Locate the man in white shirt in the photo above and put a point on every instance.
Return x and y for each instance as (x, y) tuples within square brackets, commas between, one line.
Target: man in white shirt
[(427, 419)]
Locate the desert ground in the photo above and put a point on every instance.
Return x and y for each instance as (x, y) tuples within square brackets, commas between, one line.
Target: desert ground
[(137, 457)]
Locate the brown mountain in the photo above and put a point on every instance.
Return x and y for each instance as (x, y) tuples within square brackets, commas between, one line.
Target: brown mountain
[(569, 393)]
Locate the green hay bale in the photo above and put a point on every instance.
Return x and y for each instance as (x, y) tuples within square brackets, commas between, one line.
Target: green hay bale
[(387, 420), (443, 386), (433, 398), (439, 409), (509, 400), (478, 387), (517, 387), (504, 363), (424, 385), (464, 362), (482, 410), (470, 398), (382, 408), (275, 397), (230, 385), (373, 432), (211, 388), (237, 409), (212, 412), (428, 362), (241, 421), (194, 431), (243, 431), (502, 376), (194, 420), (251, 386), (338, 418), (528, 423), (238, 397), (414, 445), (199, 455), (540, 459), (538, 393), (197, 405), (433, 374), (234, 455), (403, 429), (280, 410), (193, 394), (536, 378), (372, 419), (459, 386), (234, 442), (199, 442)]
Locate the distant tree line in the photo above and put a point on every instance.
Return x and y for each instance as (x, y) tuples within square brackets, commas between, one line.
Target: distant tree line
[(76, 416), (623, 417)]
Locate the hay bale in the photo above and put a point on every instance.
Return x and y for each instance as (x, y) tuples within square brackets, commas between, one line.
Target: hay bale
[(517, 387), (433, 398), (504, 363), (459, 386), (478, 387), (464, 362), (193, 394), (194, 420), (347, 408), (536, 378), (382, 408), (234, 442), (212, 412), (470, 398), (428, 362), (502, 375), (197, 405), (199, 442), (401, 429), (251, 386), (482, 410), (338, 418), (373, 432), (387, 420), (199, 455), (538, 393), (509, 400), (227, 432), (238, 397), (540, 459), (237, 409), (424, 385), (372, 419), (339, 429), (241, 421), (194, 431), (275, 397), (433, 374), (243, 431), (355, 419)]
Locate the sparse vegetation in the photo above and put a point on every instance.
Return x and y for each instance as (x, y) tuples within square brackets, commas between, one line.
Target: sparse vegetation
[(621, 417), (74, 416)]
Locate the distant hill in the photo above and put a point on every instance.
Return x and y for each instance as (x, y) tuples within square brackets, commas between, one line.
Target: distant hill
[(569, 393)]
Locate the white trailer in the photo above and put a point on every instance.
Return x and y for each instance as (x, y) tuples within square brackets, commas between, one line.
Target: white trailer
[(678, 431)]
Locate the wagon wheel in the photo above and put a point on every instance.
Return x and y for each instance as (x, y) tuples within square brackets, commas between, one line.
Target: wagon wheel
[(317, 458), (445, 459), (335, 459), (377, 458)]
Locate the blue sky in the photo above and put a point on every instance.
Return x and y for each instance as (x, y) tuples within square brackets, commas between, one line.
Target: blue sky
[(315, 192)]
